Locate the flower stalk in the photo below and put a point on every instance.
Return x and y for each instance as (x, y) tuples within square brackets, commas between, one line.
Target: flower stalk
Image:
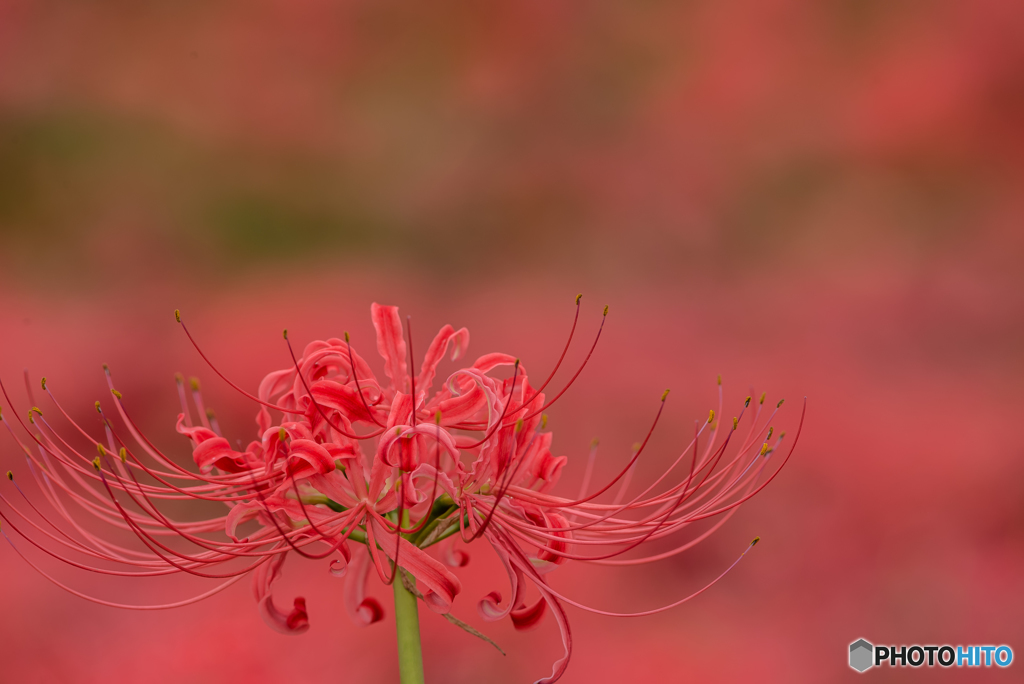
[(407, 624)]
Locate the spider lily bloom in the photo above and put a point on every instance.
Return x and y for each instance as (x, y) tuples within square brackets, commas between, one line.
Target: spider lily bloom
[(368, 474)]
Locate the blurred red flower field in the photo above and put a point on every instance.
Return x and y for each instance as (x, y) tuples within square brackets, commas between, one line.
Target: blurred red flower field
[(810, 199)]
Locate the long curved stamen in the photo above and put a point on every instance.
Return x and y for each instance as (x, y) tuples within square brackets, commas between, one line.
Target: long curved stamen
[(111, 604), (629, 465), (561, 358), (527, 569), (503, 493), (355, 378), (583, 365), (282, 409)]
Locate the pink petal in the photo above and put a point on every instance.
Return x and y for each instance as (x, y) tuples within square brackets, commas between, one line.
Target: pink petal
[(489, 362), (307, 457), (336, 487), (522, 564), (439, 586), (488, 605), (462, 408), (459, 341), (333, 395), (453, 557), (198, 434), (297, 621), (527, 617), (558, 669), (275, 383), (391, 344), (364, 611), (240, 513)]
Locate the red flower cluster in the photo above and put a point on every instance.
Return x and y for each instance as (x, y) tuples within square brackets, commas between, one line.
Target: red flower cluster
[(370, 474)]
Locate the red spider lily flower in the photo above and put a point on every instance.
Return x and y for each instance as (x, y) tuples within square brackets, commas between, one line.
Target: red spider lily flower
[(370, 474)]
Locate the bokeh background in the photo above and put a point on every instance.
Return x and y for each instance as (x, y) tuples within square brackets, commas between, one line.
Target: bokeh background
[(818, 198)]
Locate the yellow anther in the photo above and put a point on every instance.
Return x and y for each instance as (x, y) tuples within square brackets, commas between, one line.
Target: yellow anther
[(770, 431), (123, 453), (664, 395), (177, 315), (764, 448), (179, 378), (437, 418), (194, 383), (43, 383), (346, 336), (747, 402), (36, 409), (99, 448), (779, 405), (579, 297), (781, 435), (284, 333), (756, 539), (763, 395), (543, 420), (115, 393), (605, 310), (636, 446), (99, 410), (282, 434), (96, 463), (711, 416), (10, 475), (719, 378), (106, 369), (735, 422), (519, 426)]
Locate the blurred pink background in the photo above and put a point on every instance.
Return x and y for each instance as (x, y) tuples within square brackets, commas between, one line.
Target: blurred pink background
[(811, 198)]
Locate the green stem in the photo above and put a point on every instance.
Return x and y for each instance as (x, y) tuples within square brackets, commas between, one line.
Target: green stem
[(410, 654), (407, 624)]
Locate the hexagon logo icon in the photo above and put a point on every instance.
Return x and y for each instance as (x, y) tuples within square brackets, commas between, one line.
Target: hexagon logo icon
[(861, 655)]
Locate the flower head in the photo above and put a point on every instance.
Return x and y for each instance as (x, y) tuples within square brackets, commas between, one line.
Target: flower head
[(370, 473)]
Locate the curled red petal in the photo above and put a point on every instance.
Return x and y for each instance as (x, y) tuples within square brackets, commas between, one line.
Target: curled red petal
[(363, 610), (558, 668), (390, 343), (333, 395), (527, 617), (453, 557), (488, 605), (306, 457), (447, 335), (296, 621), (370, 611)]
